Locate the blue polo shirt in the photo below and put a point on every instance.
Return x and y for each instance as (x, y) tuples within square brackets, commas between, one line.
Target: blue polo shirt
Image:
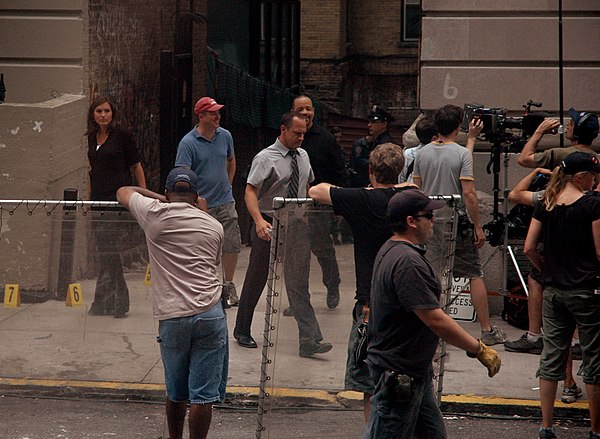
[(208, 159)]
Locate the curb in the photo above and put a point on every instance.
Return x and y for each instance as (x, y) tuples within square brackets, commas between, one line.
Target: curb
[(286, 397)]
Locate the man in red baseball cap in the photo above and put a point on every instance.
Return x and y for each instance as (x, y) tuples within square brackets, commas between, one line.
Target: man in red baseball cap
[(206, 104), (208, 150)]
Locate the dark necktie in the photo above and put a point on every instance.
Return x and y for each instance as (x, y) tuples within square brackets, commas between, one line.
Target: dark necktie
[(292, 191)]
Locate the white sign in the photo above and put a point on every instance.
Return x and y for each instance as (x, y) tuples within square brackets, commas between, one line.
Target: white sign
[(462, 307)]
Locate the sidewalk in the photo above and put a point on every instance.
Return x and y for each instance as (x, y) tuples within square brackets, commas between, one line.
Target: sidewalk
[(53, 348)]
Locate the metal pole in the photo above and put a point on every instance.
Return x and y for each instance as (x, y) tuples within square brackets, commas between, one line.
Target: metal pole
[(266, 364), (446, 292), (560, 72), (67, 245)]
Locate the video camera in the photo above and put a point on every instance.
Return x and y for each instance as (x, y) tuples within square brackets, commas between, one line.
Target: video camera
[(517, 219), (496, 122)]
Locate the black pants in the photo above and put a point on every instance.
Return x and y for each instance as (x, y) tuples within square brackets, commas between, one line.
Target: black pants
[(112, 294)]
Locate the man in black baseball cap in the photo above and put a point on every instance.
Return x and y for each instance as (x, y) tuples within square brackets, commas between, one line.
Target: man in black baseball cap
[(405, 325), (410, 203), (177, 176), (580, 162)]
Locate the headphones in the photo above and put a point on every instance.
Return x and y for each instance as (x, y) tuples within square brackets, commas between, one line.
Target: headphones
[(580, 122)]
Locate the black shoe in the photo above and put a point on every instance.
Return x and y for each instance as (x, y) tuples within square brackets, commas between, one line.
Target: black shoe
[(245, 341), (307, 350), (288, 312), (333, 298)]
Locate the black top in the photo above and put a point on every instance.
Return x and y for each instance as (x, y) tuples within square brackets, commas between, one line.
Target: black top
[(110, 164), (403, 281), (326, 158), (365, 210), (359, 161), (569, 253)]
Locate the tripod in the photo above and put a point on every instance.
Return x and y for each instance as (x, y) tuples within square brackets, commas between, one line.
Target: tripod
[(497, 229)]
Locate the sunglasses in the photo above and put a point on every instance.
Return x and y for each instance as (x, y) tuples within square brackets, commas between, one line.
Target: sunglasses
[(428, 215)]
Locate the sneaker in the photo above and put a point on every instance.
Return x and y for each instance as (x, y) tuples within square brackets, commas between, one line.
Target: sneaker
[(524, 345), (576, 351), (495, 336), (571, 394), (233, 297), (546, 433)]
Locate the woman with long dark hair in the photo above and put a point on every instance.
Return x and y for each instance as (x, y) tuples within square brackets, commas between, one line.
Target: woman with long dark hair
[(567, 220), (113, 158)]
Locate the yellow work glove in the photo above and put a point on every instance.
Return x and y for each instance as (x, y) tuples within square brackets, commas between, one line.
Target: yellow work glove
[(488, 357)]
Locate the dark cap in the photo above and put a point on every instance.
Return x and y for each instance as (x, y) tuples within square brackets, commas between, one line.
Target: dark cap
[(585, 122), (206, 104), (580, 162), (182, 174), (410, 202), (379, 114)]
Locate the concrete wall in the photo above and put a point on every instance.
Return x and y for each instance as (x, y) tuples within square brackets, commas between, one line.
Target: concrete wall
[(41, 48), (41, 148), (41, 154), (502, 54), (55, 54)]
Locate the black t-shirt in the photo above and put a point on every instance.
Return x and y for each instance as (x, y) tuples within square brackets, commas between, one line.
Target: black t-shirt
[(326, 158), (110, 164), (359, 160), (569, 252), (365, 210), (403, 281)]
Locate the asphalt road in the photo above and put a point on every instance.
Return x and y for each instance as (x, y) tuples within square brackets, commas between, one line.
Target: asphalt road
[(34, 418)]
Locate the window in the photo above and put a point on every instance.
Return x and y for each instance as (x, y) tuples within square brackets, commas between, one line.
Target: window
[(411, 20)]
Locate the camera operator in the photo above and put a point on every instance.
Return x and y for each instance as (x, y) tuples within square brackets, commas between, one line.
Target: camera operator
[(444, 167), (581, 130)]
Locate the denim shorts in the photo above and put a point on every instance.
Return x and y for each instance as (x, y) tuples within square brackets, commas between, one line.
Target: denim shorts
[(358, 378), (228, 217), (195, 354), (562, 311)]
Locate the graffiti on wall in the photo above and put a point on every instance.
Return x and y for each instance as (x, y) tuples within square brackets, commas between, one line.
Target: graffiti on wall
[(124, 64)]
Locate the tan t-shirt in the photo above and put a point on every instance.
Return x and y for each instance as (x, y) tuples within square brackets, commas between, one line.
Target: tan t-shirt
[(552, 157), (185, 245)]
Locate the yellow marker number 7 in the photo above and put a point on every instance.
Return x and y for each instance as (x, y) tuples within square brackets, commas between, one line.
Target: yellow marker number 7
[(12, 296)]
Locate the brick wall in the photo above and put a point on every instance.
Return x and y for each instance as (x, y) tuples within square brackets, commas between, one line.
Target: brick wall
[(352, 57), (125, 41), (375, 27), (322, 28)]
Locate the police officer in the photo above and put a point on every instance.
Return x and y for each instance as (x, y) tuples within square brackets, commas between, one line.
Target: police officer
[(379, 120)]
